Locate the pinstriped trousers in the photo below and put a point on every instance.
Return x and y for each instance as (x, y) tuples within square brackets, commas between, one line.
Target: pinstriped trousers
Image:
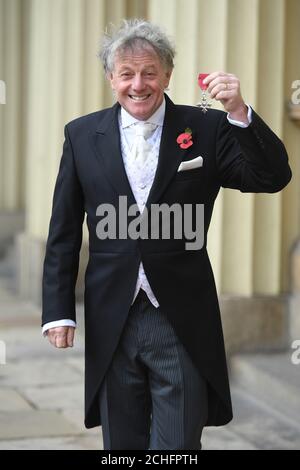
[(152, 396)]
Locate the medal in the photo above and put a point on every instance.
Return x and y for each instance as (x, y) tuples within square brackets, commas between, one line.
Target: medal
[(205, 102)]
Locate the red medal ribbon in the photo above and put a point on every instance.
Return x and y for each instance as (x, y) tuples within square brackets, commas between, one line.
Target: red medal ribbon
[(201, 77)]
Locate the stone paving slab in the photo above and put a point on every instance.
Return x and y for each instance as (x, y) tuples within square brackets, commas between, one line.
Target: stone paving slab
[(223, 439), (14, 309), (5, 295), (37, 372), (56, 397), (12, 313), (27, 342), (271, 378), (76, 416), (11, 400), (54, 443), (264, 428), (77, 363), (35, 423)]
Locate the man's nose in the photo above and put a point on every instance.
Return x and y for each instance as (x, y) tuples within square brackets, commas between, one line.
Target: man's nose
[(138, 83)]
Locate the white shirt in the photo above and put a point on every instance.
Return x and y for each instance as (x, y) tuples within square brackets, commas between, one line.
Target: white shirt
[(141, 181)]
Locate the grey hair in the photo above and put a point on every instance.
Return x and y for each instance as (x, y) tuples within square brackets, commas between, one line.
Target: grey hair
[(135, 33)]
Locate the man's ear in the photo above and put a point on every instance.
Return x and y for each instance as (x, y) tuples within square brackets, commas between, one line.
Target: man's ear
[(110, 78), (168, 77)]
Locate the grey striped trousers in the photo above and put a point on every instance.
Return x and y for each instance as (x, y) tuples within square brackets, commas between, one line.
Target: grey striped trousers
[(152, 396)]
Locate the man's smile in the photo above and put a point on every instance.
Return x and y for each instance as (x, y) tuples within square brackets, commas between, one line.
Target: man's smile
[(139, 98)]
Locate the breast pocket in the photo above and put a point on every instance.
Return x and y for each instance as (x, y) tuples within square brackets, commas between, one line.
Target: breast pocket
[(194, 174)]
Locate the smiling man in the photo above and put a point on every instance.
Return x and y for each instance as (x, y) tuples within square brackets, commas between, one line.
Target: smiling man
[(155, 364), (139, 80)]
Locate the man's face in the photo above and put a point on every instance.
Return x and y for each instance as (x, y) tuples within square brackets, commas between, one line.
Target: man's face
[(139, 79)]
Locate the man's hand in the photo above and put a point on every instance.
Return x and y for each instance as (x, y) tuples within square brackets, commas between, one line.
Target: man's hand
[(61, 336), (225, 87)]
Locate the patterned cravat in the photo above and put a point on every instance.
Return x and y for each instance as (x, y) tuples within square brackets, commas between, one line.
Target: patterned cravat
[(141, 148)]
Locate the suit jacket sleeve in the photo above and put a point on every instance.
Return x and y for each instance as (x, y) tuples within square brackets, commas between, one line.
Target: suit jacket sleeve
[(64, 241), (252, 159)]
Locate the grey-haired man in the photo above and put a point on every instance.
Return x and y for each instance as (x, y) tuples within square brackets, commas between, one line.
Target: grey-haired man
[(155, 362)]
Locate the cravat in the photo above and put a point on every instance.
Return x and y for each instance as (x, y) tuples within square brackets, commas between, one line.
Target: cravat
[(141, 148)]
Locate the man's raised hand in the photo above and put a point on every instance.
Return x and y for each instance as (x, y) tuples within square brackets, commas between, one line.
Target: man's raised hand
[(225, 87)]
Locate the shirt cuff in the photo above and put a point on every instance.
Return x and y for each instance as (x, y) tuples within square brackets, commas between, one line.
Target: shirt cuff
[(239, 123), (54, 324)]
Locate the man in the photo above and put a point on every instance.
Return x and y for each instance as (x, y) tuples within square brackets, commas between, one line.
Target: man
[(155, 362)]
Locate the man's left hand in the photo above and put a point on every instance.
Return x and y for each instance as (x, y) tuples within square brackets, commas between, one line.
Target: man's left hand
[(225, 87)]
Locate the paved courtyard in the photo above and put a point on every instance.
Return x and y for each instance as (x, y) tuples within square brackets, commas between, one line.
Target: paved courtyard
[(41, 395)]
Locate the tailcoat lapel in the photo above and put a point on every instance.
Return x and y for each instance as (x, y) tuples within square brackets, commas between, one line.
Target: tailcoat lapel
[(107, 144)]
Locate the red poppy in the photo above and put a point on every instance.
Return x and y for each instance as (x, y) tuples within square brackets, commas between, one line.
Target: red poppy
[(185, 140)]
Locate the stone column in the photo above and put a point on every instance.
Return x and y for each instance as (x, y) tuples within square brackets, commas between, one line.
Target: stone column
[(11, 138), (291, 209)]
